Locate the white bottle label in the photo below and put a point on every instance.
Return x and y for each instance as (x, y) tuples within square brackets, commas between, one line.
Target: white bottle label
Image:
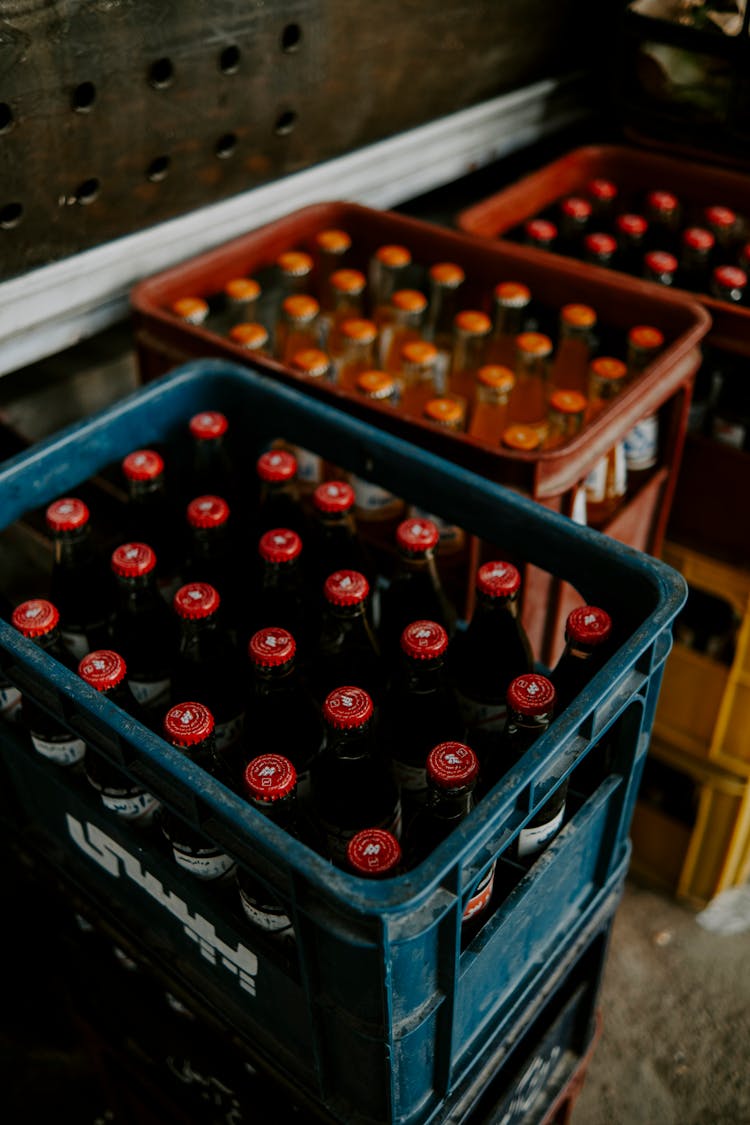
[(204, 866), (10, 699), (268, 919), (133, 807), (63, 753), (309, 465), (411, 778), (642, 444), (532, 840), (76, 643), (484, 716), (152, 694), (578, 512), (481, 896), (228, 733), (598, 480), (370, 499)]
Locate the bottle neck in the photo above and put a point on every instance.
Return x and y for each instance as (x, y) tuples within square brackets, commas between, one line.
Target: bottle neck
[(73, 548), (136, 593), (147, 491), (523, 730), (282, 812), (358, 742), (508, 320), (450, 804), (423, 675), (272, 683)]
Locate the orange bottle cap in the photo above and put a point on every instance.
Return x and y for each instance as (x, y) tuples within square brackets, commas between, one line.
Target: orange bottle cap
[(477, 323), (524, 438), (300, 307), (419, 352), (644, 336), (534, 343), (512, 294), (192, 309), (312, 361), (295, 263), (333, 241), (409, 300), (242, 289), (248, 335), (362, 331), (348, 281), (568, 402), (376, 384), (578, 316), (444, 410), (496, 376), (608, 368), (394, 256), (448, 274)]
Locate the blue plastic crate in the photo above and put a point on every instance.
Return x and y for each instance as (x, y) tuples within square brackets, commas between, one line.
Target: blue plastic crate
[(380, 1015)]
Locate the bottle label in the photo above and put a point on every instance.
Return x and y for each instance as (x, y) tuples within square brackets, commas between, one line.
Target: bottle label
[(485, 716), (452, 537), (75, 642), (133, 807), (229, 732), (642, 444), (411, 778), (372, 501), (265, 915), (337, 838), (202, 865), (603, 483), (10, 699), (578, 513), (532, 840), (63, 753), (596, 482), (151, 694), (728, 432), (309, 465), (482, 894)]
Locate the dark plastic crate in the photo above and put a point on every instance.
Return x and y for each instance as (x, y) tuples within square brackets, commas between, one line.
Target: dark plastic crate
[(381, 1015)]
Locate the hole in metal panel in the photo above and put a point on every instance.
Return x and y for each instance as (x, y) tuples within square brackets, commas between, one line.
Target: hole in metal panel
[(7, 119), (161, 74), (226, 145), (229, 59), (11, 215), (84, 97), (87, 191), (285, 123), (158, 169), (291, 37)]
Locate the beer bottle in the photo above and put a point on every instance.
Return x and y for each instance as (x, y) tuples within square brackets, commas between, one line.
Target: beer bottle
[(351, 786), (208, 668), (587, 631), (631, 232), (528, 402), (664, 215), (190, 727), (695, 260), (378, 386), (575, 214), (403, 323), (294, 268), (574, 345), (79, 585), (541, 234), (347, 649), (471, 332), (280, 711), (331, 248), (270, 785), (602, 193), (282, 598), (211, 470), (241, 297), (421, 708), (511, 301), (531, 702), (386, 269), (489, 654), (250, 336), (105, 671), (313, 363), (599, 249), (722, 222), (452, 770), (279, 504), (144, 630), (606, 483), (642, 442), (38, 620), (420, 376), (448, 412), (489, 415), (151, 516), (191, 310), (353, 351), (297, 327), (346, 289), (660, 266), (415, 590), (446, 279), (211, 552), (567, 413), (522, 439), (374, 854), (334, 542), (729, 283)]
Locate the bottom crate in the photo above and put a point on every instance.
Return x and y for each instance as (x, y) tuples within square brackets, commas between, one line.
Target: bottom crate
[(691, 827)]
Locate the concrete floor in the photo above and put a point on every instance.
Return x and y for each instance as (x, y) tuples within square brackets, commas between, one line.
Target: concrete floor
[(675, 1045)]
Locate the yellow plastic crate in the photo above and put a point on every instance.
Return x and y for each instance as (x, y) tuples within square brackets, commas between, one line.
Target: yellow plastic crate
[(697, 859), (704, 706)]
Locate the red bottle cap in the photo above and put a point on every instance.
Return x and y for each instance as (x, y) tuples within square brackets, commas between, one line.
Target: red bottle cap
[(334, 496), (208, 424), (187, 724), (346, 587), (575, 207), (143, 464), (498, 579), (659, 261), (451, 765), (531, 694), (373, 851), (662, 202), (280, 545), (347, 708), (424, 640), (271, 647), (68, 514), (603, 244), (730, 277), (103, 669), (588, 625), (133, 560), (696, 238), (277, 465), (723, 217), (602, 189), (417, 536), (35, 617), (631, 224), (270, 777), (196, 600), (207, 511), (540, 230)]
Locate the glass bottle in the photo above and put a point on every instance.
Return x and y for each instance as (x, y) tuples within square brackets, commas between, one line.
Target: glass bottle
[(471, 332), (191, 310), (575, 214), (373, 853), (631, 230), (402, 324), (642, 442), (511, 300), (270, 786), (38, 619), (347, 650), (449, 412), (189, 727), (570, 366), (151, 516), (599, 249), (723, 223), (419, 376), (664, 215), (347, 288), (541, 234), (602, 193), (354, 351), (660, 266), (297, 327), (79, 585), (606, 483), (528, 402), (415, 590), (567, 414), (241, 297), (421, 708), (587, 632), (489, 415), (385, 272), (331, 248), (211, 554), (446, 279), (279, 501), (521, 439), (489, 654), (282, 597), (351, 786), (144, 630), (695, 259), (334, 542), (250, 336), (210, 471), (729, 283)]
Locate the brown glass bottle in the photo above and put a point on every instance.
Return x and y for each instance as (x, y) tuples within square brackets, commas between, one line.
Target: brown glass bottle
[(270, 786), (587, 632), (347, 650), (415, 590), (80, 587)]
